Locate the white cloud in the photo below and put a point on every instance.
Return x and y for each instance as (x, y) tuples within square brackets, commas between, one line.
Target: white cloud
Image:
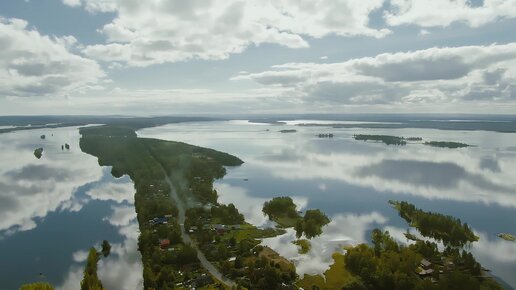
[(72, 3), (151, 32), (445, 12), (32, 64), (423, 32), (434, 75), (118, 192)]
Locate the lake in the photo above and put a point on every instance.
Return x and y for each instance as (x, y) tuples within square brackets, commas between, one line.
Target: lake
[(53, 209), (352, 182)]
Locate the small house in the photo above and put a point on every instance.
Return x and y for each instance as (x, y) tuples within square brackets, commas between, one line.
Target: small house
[(425, 264), (164, 243)]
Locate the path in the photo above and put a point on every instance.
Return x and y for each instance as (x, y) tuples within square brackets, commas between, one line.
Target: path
[(187, 240)]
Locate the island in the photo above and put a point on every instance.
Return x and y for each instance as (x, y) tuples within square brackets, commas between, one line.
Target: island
[(451, 231), (38, 152), (283, 211), (395, 140), (507, 237), (288, 131), (322, 135), (386, 139), (447, 144)]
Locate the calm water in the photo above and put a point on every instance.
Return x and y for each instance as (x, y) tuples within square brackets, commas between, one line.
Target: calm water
[(352, 181), (52, 210)]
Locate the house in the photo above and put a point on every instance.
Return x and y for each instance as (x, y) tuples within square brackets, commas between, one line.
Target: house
[(426, 272), (202, 281), (425, 264), (220, 229), (164, 243), (425, 268)]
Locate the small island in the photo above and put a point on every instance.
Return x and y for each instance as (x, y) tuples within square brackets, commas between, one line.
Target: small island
[(449, 230), (386, 139), (507, 237), (38, 153), (283, 211), (396, 140), (329, 135), (444, 144), (288, 131)]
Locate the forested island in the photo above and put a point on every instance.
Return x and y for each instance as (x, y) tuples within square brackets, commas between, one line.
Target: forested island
[(283, 211), (386, 139), (395, 140), (288, 131), (451, 231), (443, 144), (507, 237), (38, 152)]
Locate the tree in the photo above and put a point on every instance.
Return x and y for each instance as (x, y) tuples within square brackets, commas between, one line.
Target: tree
[(106, 248), (90, 280)]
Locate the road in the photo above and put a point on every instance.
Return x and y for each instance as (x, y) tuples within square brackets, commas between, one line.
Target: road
[(187, 240)]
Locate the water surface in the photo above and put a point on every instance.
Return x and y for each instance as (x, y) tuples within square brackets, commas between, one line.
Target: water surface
[(53, 209)]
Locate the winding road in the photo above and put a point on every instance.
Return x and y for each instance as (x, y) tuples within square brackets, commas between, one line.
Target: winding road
[(187, 240)]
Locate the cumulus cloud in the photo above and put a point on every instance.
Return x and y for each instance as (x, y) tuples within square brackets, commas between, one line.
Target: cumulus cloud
[(32, 64), (424, 76), (445, 12), (150, 32), (118, 192)]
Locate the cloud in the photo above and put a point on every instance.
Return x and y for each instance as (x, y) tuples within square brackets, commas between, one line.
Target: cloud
[(434, 75), (32, 64), (118, 192), (153, 32), (445, 12)]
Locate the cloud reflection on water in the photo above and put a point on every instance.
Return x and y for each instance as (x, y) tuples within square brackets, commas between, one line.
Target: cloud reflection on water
[(30, 188)]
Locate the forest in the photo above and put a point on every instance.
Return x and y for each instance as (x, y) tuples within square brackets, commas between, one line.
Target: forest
[(445, 228)]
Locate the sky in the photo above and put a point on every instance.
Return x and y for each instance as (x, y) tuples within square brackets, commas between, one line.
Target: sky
[(216, 57)]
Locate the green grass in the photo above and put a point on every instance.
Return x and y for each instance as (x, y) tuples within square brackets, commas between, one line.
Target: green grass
[(285, 221), (336, 277)]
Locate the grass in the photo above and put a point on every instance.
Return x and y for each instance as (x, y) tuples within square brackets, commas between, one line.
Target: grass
[(286, 222), (336, 277)]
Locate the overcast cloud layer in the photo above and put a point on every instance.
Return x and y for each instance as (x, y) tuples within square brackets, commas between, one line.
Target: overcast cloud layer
[(225, 56)]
